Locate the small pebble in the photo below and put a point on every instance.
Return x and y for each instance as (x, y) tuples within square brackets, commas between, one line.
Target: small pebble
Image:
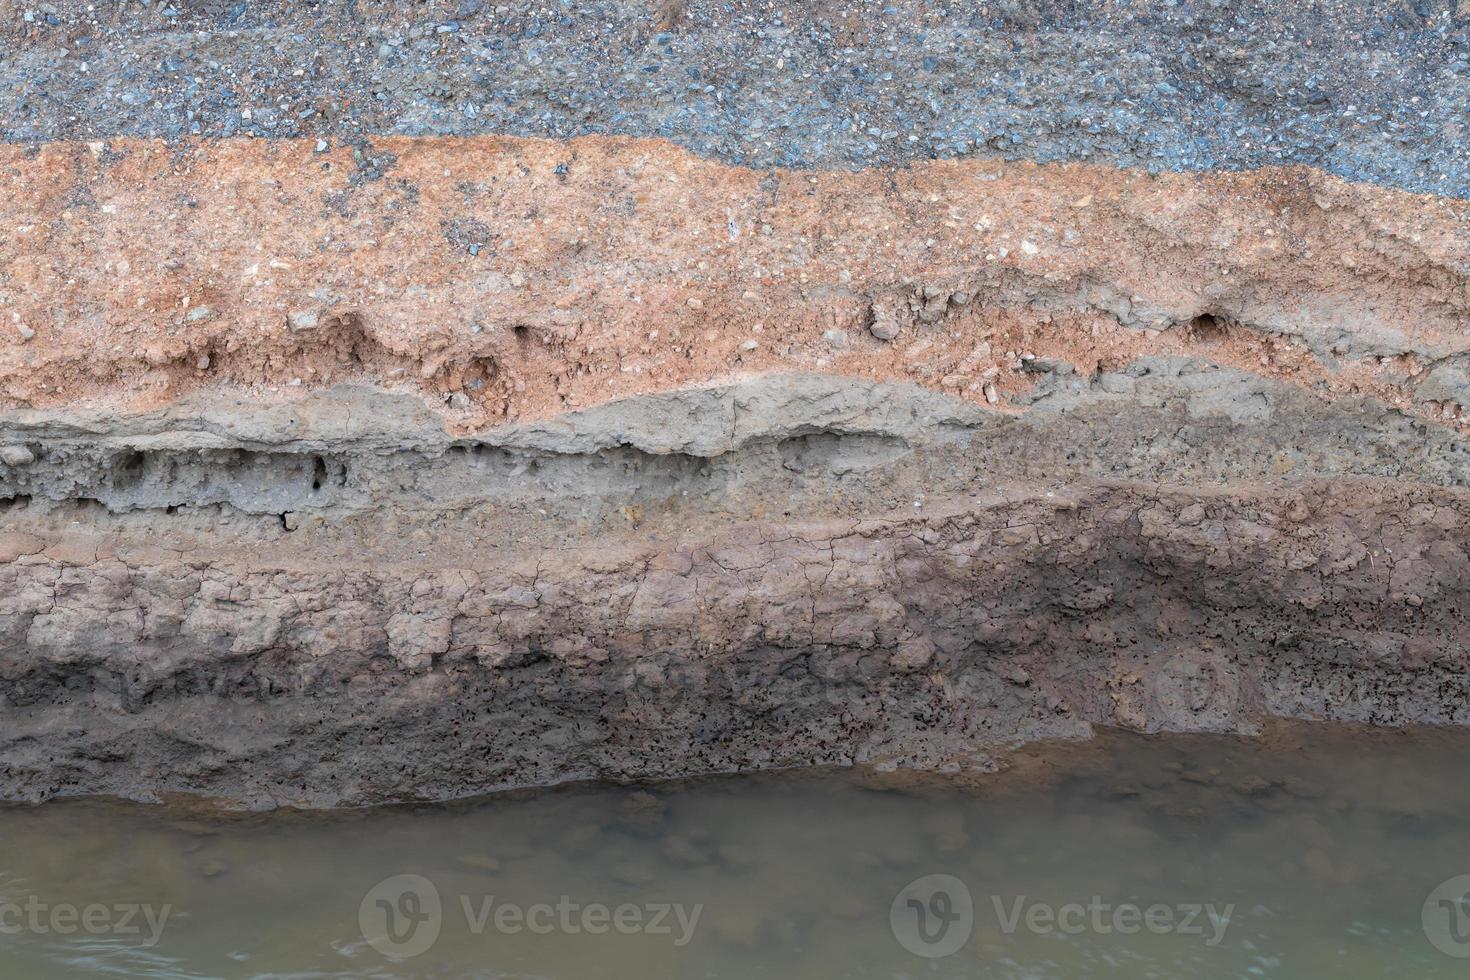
[(16, 455), (884, 326), (300, 320)]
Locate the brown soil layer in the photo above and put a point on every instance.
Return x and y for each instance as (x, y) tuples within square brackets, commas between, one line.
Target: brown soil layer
[(926, 642)]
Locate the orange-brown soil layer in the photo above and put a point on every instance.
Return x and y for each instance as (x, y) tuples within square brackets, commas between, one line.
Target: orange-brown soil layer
[(515, 279)]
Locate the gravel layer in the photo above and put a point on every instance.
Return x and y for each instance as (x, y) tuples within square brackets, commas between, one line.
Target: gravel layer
[(1372, 92)]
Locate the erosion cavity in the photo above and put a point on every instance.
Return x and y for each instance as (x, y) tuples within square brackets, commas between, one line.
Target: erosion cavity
[(138, 479), (838, 453)]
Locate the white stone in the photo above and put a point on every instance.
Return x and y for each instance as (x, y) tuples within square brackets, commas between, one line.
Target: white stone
[(300, 320)]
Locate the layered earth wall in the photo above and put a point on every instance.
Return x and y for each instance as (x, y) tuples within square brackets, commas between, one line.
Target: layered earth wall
[(356, 445)]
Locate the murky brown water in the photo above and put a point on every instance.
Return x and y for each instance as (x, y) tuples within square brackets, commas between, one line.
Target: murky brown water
[(1306, 855)]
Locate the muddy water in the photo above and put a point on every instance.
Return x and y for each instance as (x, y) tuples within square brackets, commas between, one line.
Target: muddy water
[(1306, 854)]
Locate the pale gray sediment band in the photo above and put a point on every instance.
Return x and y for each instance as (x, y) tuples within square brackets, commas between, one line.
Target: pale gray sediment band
[(1371, 92)]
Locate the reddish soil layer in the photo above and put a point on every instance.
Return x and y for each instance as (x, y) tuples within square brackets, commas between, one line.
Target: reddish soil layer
[(535, 276)]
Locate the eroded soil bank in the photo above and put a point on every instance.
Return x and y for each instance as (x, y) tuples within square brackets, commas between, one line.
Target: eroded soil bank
[(434, 466)]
